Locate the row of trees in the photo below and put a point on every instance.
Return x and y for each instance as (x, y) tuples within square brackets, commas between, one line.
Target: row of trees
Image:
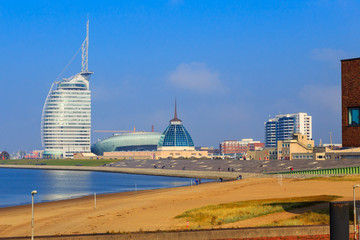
[(4, 155)]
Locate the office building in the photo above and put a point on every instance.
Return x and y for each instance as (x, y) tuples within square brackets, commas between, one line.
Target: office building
[(350, 102), (66, 117), (283, 126)]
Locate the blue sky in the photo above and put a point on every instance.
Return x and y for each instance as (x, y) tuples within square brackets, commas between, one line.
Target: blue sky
[(230, 64)]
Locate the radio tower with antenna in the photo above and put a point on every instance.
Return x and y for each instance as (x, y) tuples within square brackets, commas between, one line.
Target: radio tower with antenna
[(85, 51)]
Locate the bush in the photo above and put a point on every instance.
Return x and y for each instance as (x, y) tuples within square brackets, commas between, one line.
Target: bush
[(4, 155)]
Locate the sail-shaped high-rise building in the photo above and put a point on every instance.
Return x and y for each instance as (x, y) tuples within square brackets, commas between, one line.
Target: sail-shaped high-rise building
[(66, 116)]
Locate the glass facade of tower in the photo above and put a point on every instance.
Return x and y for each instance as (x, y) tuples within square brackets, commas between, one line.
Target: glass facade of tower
[(66, 118), (283, 126), (270, 134)]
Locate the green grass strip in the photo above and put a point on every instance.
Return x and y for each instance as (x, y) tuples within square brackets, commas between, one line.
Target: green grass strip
[(237, 211)]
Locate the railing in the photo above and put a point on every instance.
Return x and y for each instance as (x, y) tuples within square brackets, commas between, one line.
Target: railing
[(330, 171)]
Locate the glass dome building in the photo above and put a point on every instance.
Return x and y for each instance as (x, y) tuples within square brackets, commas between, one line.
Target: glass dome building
[(175, 136)]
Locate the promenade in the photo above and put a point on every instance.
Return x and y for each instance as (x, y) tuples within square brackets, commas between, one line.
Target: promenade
[(233, 165), (216, 169)]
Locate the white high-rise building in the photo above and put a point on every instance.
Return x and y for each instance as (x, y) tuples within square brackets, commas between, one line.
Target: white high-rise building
[(283, 126), (66, 117)]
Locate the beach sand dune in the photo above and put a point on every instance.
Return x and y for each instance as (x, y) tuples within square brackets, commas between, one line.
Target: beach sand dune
[(153, 210)]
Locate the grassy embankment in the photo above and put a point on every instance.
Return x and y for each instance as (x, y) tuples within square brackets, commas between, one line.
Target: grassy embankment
[(216, 215), (348, 178), (57, 162)]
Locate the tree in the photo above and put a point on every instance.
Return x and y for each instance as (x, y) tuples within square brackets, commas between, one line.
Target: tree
[(4, 155)]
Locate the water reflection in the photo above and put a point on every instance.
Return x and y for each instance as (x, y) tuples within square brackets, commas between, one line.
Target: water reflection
[(62, 184), (66, 184), (54, 197)]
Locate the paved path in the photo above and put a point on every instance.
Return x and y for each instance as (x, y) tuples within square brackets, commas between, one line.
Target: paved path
[(205, 168), (240, 166)]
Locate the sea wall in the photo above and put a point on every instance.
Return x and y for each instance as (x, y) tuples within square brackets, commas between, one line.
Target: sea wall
[(215, 175)]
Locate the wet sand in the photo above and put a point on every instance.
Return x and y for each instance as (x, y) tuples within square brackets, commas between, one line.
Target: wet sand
[(153, 210)]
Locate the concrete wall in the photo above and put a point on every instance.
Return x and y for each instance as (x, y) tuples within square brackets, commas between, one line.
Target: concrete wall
[(199, 234)]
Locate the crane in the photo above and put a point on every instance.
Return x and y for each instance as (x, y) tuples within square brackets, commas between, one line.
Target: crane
[(115, 131)]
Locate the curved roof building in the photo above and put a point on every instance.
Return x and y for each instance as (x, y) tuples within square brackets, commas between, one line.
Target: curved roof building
[(66, 116), (136, 141), (175, 136)]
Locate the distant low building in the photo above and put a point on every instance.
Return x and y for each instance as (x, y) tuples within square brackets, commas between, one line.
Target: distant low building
[(349, 153), (299, 144), (85, 156), (35, 154), (262, 154), (239, 147), (211, 150), (298, 147)]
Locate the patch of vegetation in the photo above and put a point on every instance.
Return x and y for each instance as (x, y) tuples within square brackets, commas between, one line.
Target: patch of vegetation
[(316, 217), (237, 211), (57, 162)]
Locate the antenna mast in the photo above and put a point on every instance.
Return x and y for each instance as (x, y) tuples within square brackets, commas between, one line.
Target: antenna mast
[(85, 50)]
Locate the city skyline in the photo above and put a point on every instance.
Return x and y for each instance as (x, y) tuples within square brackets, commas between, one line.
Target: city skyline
[(230, 64)]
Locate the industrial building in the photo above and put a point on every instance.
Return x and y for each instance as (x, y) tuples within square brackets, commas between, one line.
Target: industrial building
[(66, 116), (283, 126)]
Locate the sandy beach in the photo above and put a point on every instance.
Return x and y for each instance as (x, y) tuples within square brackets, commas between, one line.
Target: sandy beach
[(153, 210)]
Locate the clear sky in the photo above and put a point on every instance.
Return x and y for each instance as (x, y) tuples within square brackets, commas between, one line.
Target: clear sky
[(230, 64)]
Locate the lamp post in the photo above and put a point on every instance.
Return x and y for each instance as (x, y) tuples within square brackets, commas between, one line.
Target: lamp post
[(32, 213), (355, 229)]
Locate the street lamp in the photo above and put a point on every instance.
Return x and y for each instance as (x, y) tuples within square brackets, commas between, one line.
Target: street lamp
[(32, 213), (355, 229)]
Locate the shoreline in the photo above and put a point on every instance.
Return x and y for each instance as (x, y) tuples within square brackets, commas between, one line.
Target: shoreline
[(155, 210), (163, 173), (90, 197), (214, 175)]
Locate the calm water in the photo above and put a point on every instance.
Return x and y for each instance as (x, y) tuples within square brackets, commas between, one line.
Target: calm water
[(16, 184)]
